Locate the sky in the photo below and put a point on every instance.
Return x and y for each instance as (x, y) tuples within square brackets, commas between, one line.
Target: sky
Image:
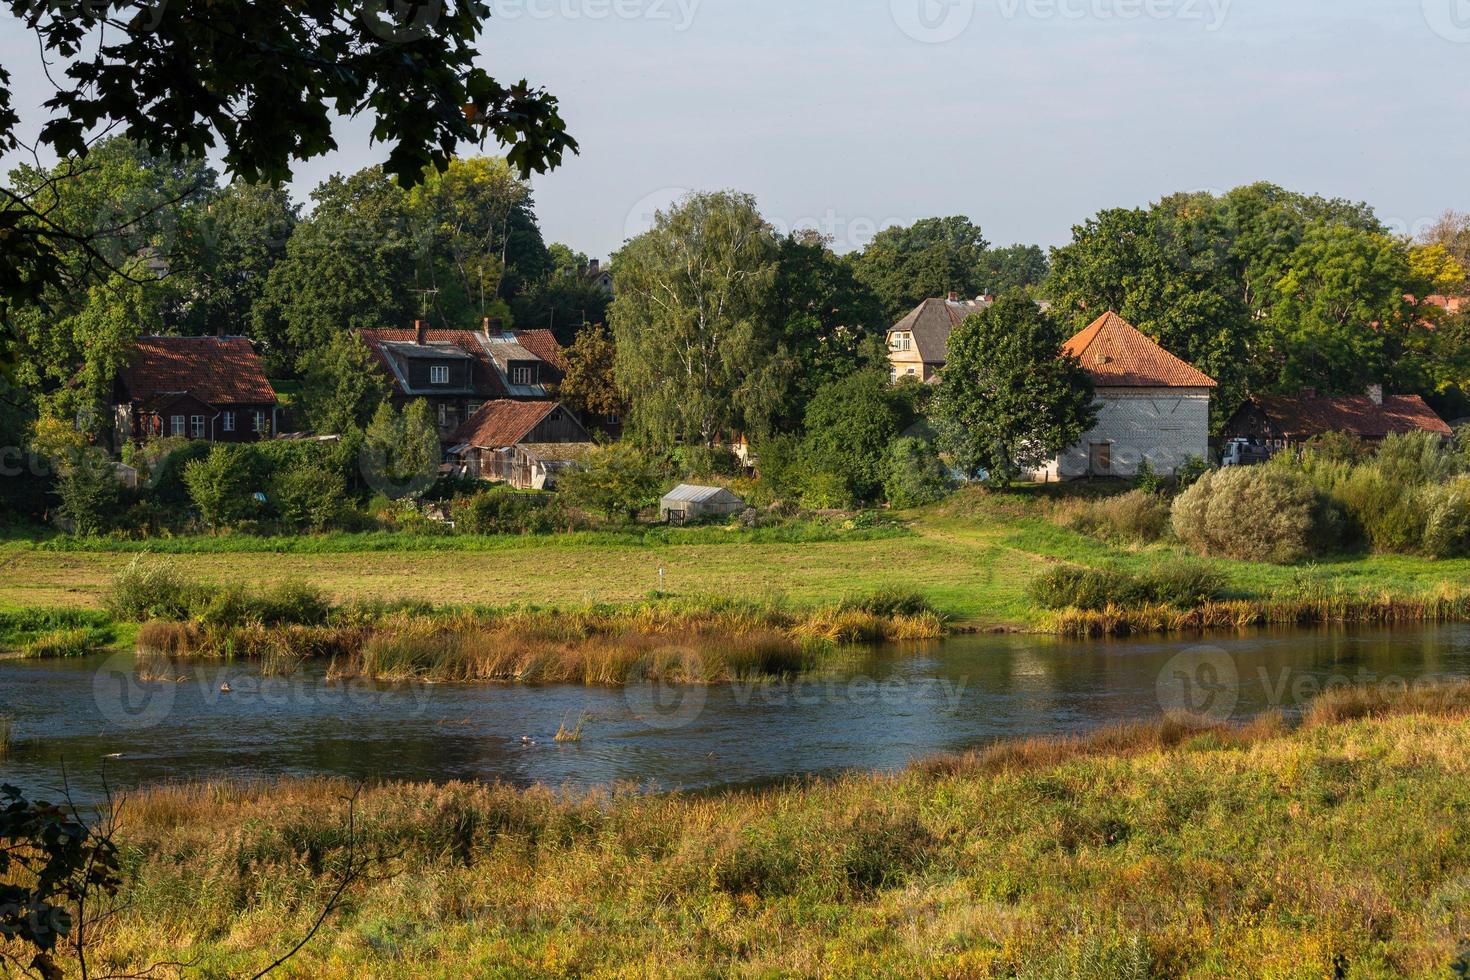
[(1028, 116)]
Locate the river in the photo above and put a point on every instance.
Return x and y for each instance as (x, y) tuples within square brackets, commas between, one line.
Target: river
[(95, 720)]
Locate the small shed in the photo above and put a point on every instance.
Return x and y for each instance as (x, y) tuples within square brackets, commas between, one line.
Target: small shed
[(687, 502)]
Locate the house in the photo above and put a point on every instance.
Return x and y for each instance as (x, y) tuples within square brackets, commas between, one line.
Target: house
[(458, 371), (526, 444), (686, 502), (207, 388), (918, 344), (1151, 405), (1278, 422)]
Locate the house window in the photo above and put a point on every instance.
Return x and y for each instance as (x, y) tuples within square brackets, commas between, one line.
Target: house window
[(438, 374), (443, 415), (613, 418), (259, 424), (473, 408), (196, 427), (912, 371), (176, 425), (521, 376), (229, 421)]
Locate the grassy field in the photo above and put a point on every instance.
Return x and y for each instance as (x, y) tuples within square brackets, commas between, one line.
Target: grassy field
[(972, 557), (1171, 850)]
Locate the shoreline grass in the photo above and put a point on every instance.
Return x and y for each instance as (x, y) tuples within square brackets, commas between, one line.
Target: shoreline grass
[(1176, 848)]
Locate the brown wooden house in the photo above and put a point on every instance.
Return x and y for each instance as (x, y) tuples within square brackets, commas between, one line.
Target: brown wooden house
[(458, 371), (1277, 422), (525, 444), (207, 388)]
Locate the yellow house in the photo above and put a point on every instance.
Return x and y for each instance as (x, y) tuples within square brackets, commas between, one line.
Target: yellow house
[(917, 343)]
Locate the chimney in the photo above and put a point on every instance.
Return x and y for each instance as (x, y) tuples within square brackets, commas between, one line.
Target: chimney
[(494, 326), (954, 297), (594, 266), (419, 329), (988, 298), (1375, 392), (485, 328)]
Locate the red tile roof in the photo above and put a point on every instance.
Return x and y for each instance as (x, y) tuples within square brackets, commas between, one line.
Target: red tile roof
[(502, 423), (1301, 417), (543, 344), (1117, 355), (486, 377), (216, 370)]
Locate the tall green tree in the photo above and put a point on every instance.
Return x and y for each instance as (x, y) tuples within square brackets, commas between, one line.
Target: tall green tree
[(342, 385), (850, 424), (1013, 267), (691, 322), (241, 233), (904, 266), (1009, 400), (590, 385)]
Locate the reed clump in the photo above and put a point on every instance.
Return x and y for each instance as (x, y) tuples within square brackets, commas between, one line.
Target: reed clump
[(7, 734)]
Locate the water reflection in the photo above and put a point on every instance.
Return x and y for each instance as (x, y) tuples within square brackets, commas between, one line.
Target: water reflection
[(884, 709)]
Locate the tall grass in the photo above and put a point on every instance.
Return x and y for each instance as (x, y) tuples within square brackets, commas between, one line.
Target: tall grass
[(7, 733)]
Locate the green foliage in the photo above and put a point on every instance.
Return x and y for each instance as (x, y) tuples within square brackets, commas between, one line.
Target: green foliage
[(1146, 479), (400, 453), (91, 498), (220, 486), (1008, 400), (1259, 513), (849, 426), (286, 604), (307, 497), (916, 475), (825, 490), (589, 386), (1447, 519), (1137, 517), (342, 385), (903, 266), (616, 481), (695, 351), (501, 510), (1182, 585), (150, 589), (890, 602)]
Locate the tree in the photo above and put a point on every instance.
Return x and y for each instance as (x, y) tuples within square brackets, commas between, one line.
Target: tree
[(905, 266), (1008, 399), (219, 485), (242, 232), (1013, 267), (400, 453), (568, 297), (615, 480), (589, 386), (342, 385), (850, 424), (916, 475), (261, 82), (695, 352), (1452, 233), (91, 498)]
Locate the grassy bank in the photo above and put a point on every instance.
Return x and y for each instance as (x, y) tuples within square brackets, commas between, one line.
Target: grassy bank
[(973, 557), (1151, 850)]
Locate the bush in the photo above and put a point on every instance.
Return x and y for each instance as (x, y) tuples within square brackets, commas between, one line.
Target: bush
[(286, 604), (308, 498), (1447, 523), (889, 602), (916, 475), (500, 510), (1136, 517), (155, 590), (1383, 511), (822, 490), (1258, 513), (92, 499), (1184, 585), (219, 486), (1147, 478), (616, 481)]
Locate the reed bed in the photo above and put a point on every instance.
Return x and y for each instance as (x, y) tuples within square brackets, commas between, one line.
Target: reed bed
[(7, 734), (1312, 609), (678, 641)]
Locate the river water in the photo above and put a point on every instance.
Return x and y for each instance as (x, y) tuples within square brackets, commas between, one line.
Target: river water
[(102, 725)]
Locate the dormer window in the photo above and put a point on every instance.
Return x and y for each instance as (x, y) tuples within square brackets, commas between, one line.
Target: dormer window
[(439, 374), (522, 375)]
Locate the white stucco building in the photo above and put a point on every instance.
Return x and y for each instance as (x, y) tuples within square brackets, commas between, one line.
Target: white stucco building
[(1150, 405)]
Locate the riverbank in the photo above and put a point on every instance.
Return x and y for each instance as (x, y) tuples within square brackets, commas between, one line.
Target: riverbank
[(972, 557), (1164, 849)]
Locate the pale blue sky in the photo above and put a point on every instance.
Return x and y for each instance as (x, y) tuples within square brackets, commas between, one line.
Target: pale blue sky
[(1031, 116)]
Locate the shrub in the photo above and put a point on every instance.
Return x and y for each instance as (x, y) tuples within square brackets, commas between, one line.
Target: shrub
[(616, 481), (889, 602), (916, 475), (92, 499), (308, 498), (1147, 478), (1447, 519), (500, 510), (1136, 517), (1184, 585), (219, 486), (1258, 513), (1385, 512), (822, 490), (155, 590)]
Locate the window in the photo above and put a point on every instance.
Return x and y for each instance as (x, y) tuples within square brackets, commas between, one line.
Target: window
[(176, 425), (438, 374), (260, 425), (196, 427), (443, 415), (229, 422), (613, 418), (522, 375)]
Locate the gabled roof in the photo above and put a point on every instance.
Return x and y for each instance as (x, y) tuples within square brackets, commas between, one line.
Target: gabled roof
[(215, 370), (933, 320), (488, 377), (504, 423), (693, 494), (1305, 416), (1117, 355)]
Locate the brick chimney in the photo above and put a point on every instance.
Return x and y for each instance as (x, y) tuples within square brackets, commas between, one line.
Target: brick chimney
[(1375, 393), (420, 328), (954, 297)]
